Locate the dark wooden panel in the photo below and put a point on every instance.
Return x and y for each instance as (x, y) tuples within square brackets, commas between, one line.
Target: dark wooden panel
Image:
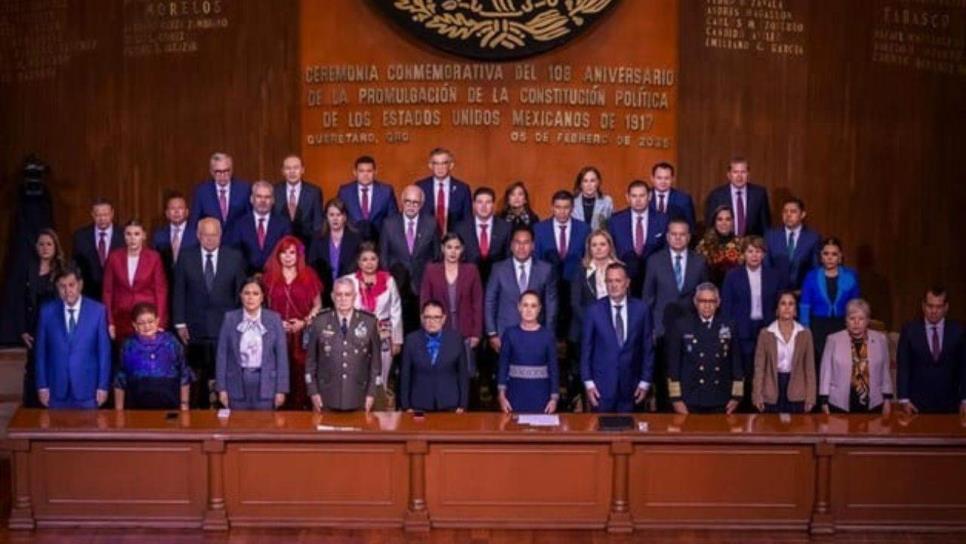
[(316, 484), (523, 485), (874, 149), (899, 486), (721, 485), (164, 483)]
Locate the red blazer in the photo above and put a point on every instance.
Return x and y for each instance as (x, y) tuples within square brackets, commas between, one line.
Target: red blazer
[(150, 285), (470, 293)]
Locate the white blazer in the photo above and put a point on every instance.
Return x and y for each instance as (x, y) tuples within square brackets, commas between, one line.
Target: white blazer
[(836, 373)]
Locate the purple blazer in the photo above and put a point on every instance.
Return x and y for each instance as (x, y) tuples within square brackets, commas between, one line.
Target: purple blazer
[(470, 292)]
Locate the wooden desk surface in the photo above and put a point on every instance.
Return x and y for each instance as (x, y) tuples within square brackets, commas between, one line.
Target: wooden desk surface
[(393, 426)]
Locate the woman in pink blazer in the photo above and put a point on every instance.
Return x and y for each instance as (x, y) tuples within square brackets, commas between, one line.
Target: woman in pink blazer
[(133, 274), (456, 285)]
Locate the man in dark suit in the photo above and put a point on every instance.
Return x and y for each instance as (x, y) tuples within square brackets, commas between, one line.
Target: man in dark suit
[(92, 243), (222, 197), (175, 235), (932, 360), (617, 353), (434, 375), (256, 234), (509, 279), (749, 298), (793, 248), (748, 201), (368, 201), (299, 200), (447, 198), (73, 351), (561, 241), (667, 200), (207, 281), (704, 368), (406, 244), (637, 232), (486, 237)]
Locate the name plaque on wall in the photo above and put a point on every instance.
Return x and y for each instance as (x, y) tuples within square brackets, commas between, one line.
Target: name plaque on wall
[(606, 97)]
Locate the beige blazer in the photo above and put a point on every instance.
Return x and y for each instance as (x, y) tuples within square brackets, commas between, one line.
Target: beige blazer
[(801, 383), (836, 372)]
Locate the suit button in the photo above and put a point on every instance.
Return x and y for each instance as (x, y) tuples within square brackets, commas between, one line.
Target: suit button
[(701, 381), (717, 369), (345, 365), (701, 368), (344, 354), (344, 376), (701, 354), (716, 382)]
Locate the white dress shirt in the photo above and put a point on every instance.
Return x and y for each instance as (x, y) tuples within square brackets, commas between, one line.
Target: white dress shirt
[(527, 267), (288, 191), (657, 199), (734, 203), (179, 230), (109, 233), (556, 233), (489, 228), (786, 350), (600, 281), (260, 216), (634, 216), (371, 189), (684, 261), (132, 267), (589, 384), (754, 280), (76, 307), (227, 188)]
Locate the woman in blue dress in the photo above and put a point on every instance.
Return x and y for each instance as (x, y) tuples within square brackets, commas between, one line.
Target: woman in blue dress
[(153, 373), (528, 377)]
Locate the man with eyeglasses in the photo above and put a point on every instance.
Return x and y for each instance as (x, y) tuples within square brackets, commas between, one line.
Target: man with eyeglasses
[(221, 196), (447, 198), (407, 242), (704, 370)]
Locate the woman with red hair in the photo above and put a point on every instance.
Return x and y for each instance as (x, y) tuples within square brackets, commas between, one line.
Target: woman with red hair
[(294, 291)]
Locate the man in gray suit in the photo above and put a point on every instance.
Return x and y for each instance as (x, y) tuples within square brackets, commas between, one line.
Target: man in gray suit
[(408, 242), (511, 277), (344, 354), (670, 278)]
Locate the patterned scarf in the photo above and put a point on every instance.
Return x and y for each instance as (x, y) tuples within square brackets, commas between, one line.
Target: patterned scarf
[(860, 369), (369, 293)]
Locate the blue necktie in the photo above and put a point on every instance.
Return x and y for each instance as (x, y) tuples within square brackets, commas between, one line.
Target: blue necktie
[(791, 244), (72, 321), (678, 272)]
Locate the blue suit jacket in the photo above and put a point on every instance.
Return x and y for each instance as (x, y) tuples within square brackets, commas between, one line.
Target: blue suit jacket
[(79, 363), (661, 290), (274, 377), (933, 386), (814, 299), (620, 230), (204, 203), (460, 201), (309, 215), (805, 258), (679, 206), (161, 242), (503, 295), (425, 386), (736, 299), (617, 369), (382, 204), (546, 233), (244, 238), (757, 212)]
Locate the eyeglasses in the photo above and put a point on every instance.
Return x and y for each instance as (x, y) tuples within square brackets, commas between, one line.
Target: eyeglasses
[(439, 163), (707, 301), (225, 171), (433, 317), (413, 202)]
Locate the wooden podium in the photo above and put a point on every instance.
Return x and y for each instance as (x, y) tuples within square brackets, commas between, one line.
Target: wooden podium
[(194, 470)]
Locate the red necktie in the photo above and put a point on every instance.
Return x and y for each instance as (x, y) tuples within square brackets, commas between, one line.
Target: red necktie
[(484, 241), (441, 209), (639, 235), (261, 233), (739, 214), (365, 203), (102, 248), (935, 343), (562, 243)]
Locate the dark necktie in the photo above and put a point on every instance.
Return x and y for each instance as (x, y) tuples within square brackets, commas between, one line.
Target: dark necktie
[(72, 321), (739, 214), (365, 203), (936, 350), (619, 324), (791, 244), (562, 242), (660, 203), (441, 209), (639, 235), (345, 326), (102, 247), (261, 233), (209, 271)]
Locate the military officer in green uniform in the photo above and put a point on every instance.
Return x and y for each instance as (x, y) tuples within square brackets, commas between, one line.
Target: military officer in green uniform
[(344, 358), (704, 365)]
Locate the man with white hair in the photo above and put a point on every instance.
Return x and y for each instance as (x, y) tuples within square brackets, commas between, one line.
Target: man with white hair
[(704, 363), (221, 196), (344, 354)]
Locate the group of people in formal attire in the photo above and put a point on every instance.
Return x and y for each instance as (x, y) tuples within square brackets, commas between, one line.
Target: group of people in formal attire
[(261, 296)]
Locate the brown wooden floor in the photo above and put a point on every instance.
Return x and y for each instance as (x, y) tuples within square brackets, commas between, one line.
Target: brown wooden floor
[(446, 536)]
